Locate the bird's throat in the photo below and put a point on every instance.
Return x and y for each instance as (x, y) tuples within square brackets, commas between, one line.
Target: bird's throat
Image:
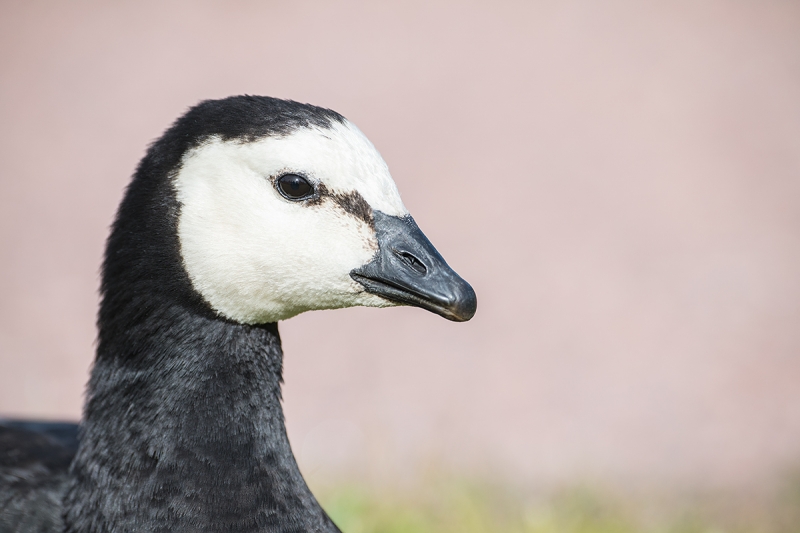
[(183, 431)]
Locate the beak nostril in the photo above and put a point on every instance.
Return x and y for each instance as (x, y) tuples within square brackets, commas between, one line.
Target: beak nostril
[(411, 261), (407, 270)]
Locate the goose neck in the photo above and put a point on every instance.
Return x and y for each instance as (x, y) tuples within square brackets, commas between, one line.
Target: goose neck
[(183, 431)]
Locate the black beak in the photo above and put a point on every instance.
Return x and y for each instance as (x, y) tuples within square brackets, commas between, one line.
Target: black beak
[(407, 269)]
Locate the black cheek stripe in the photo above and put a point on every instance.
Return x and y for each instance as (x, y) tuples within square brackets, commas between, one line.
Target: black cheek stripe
[(352, 203)]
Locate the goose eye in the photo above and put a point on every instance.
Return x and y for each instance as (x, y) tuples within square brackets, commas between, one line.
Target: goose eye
[(294, 187)]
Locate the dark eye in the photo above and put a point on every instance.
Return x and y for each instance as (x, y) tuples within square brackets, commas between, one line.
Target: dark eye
[(294, 187)]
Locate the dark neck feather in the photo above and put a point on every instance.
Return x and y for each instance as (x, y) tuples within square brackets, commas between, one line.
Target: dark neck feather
[(183, 428), (186, 433)]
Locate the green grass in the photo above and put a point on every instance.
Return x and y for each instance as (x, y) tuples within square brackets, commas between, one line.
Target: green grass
[(464, 507)]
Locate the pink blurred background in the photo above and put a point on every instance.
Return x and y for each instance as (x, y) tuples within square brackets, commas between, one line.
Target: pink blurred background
[(619, 181)]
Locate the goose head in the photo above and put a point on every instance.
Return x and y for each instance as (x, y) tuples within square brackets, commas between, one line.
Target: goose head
[(294, 209)]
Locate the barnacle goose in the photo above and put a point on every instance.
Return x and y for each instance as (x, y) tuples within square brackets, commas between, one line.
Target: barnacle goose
[(247, 211)]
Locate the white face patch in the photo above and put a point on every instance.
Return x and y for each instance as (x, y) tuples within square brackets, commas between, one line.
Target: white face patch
[(257, 257)]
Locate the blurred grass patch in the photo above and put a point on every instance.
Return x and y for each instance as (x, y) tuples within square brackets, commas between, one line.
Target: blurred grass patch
[(470, 507)]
